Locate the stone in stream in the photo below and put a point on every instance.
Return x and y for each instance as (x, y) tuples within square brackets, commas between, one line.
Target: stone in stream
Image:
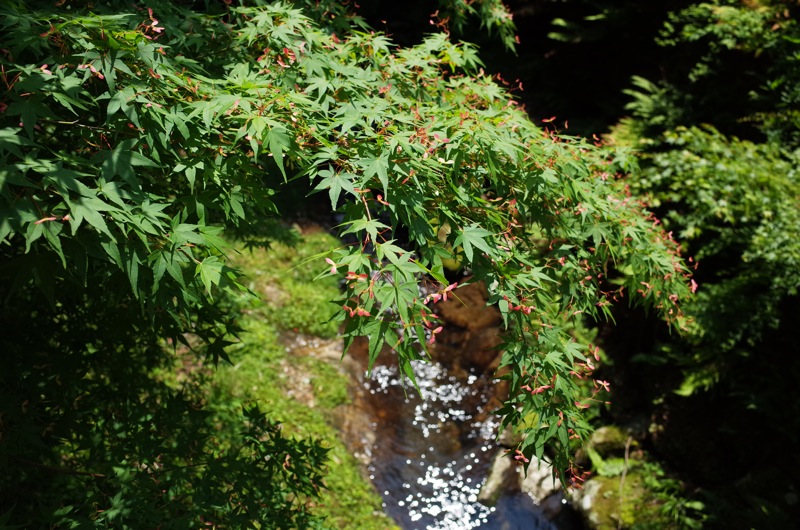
[(471, 334), (507, 476)]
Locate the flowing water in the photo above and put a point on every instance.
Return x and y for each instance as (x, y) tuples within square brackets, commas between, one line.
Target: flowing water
[(429, 452), (433, 449)]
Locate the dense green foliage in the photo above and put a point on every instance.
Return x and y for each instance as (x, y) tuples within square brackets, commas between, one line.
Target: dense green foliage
[(716, 129), (92, 435), (132, 136), (735, 205)]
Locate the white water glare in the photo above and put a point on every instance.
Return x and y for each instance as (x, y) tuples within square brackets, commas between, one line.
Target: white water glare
[(435, 474)]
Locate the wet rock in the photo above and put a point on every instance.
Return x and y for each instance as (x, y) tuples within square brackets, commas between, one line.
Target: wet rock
[(509, 438), (506, 475), (556, 509), (502, 478), (466, 308), (471, 334), (539, 482), (584, 501)]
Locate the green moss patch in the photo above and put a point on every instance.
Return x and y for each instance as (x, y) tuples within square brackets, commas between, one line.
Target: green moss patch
[(300, 391)]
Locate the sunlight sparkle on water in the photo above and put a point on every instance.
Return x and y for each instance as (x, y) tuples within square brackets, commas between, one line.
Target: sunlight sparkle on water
[(444, 494)]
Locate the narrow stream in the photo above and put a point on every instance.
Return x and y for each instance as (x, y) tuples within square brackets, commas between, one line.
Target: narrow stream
[(433, 451)]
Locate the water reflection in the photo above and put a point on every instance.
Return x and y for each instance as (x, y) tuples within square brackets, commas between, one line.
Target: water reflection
[(434, 450)]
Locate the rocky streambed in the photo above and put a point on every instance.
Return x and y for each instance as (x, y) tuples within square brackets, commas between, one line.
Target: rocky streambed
[(434, 456)]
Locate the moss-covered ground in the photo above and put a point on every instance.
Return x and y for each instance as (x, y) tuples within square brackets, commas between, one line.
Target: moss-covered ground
[(301, 392)]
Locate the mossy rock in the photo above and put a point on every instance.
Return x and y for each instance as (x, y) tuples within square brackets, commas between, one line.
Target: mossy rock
[(609, 441), (601, 506)]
